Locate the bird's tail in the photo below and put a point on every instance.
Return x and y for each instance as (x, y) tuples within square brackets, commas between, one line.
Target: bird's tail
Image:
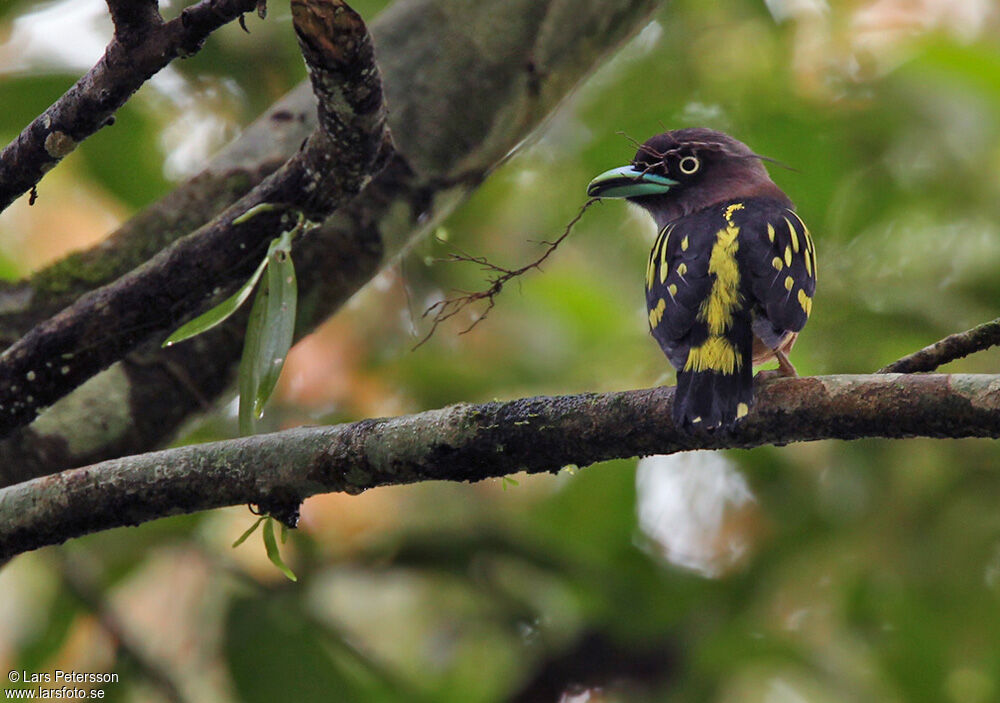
[(712, 395)]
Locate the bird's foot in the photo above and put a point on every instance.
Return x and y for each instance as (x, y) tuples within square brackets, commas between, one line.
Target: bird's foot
[(785, 368)]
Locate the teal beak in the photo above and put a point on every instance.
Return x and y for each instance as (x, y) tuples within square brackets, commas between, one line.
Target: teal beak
[(628, 182)]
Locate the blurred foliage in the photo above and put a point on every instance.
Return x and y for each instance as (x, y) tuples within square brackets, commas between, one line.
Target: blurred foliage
[(866, 571)]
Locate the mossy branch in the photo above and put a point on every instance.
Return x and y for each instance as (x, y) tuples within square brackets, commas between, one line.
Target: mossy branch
[(475, 442)]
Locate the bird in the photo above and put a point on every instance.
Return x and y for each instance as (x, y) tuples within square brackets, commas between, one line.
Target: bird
[(732, 273)]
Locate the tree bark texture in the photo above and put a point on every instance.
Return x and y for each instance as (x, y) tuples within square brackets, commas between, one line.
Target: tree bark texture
[(339, 158)]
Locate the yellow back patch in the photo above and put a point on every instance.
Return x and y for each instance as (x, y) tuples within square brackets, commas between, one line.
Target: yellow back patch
[(714, 354), (724, 298)]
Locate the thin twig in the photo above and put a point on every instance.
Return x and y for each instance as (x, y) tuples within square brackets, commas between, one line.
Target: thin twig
[(952, 347), (143, 44), (449, 307)]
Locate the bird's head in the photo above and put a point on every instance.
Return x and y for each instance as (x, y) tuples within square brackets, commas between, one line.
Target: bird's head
[(676, 173)]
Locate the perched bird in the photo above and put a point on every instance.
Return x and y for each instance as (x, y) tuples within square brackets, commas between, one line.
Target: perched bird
[(731, 276)]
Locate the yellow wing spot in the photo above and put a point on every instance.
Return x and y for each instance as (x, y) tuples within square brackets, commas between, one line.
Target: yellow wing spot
[(672, 289), (696, 420), (729, 213), (808, 259), (777, 263), (801, 222), (810, 247), (650, 272), (812, 256), (788, 256), (684, 243), (806, 302), (770, 233), (789, 282), (714, 354), (741, 410), (656, 314), (663, 255), (794, 235), (682, 269)]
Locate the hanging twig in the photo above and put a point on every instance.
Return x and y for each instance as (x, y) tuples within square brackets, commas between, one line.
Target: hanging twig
[(449, 307)]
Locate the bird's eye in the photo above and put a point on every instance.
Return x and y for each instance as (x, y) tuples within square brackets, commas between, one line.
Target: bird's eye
[(689, 165)]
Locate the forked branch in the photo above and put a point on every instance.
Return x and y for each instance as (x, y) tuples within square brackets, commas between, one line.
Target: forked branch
[(338, 160)]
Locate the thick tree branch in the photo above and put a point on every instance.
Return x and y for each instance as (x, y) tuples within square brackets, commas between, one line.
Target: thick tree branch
[(952, 347), (467, 83), (142, 45), (133, 19), (473, 442), (336, 162)]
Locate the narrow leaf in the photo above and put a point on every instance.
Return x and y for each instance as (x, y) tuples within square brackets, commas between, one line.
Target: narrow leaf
[(243, 537), (271, 547), (219, 313), (508, 481), (279, 320), (248, 378)]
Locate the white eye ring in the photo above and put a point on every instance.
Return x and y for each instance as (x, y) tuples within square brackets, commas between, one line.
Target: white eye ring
[(689, 165)]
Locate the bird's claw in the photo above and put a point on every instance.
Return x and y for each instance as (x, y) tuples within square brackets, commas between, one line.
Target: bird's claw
[(785, 369)]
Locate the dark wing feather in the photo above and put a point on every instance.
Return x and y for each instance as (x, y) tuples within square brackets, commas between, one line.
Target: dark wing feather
[(777, 252), (677, 281)]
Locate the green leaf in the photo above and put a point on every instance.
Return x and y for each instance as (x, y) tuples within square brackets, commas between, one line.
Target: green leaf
[(219, 313), (279, 320), (243, 537), (271, 547), (248, 381)]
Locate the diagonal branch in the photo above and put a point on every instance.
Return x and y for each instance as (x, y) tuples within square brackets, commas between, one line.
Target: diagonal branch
[(952, 347), (474, 442), (143, 44), (336, 162)]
